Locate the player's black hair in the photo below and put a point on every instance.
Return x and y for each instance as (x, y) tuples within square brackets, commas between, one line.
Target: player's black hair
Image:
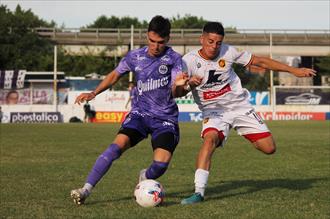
[(214, 27), (160, 25)]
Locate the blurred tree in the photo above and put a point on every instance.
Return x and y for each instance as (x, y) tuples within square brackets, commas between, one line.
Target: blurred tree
[(85, 64), (323, 64), (252, 81), (20, 48), (188, 21), (115, 22)]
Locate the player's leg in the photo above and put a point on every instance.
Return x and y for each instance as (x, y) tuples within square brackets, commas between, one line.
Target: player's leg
[(163, 145), (264, 142), (100, 168), (253, 128), (164, 139), (127, 137), (212, 138)]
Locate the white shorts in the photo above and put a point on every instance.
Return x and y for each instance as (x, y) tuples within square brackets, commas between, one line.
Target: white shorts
[(246, 122)]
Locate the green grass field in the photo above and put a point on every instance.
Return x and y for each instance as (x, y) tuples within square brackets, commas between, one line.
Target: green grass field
[(41, 163)]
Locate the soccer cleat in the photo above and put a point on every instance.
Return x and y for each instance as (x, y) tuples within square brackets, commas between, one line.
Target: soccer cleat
[(142, 175), (79, 195), (195, 198)]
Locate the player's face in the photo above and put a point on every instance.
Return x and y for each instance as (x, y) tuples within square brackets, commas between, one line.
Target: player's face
[(211, 43), (156, 44)]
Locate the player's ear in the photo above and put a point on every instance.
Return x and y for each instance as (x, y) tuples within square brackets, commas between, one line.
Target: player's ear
[(167, 38), (201, 38)]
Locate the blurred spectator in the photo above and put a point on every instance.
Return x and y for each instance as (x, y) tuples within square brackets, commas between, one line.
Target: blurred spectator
[(89, 113), (12, 97), (132, 95)]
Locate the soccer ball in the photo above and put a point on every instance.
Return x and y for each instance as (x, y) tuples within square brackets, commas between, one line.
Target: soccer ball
[(149, 193)]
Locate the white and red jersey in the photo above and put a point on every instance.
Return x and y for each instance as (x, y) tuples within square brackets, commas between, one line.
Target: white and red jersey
[(221, 88)]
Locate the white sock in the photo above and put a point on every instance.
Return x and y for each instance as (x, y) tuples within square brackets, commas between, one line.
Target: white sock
[(201, 177), (88, 187)]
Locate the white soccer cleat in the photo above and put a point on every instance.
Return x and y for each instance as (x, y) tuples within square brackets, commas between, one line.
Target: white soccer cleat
[(142, 175), (79, 195)]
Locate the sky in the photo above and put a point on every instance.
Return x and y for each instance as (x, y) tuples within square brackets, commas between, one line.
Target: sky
[(242, 14)]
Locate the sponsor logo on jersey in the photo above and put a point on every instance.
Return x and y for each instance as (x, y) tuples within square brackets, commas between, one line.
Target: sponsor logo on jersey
[(140, 58), (137, 68), (165, 58), (167, 124), (152, 84), (222, 63), (213, 94), (163, 69), (213, 84)]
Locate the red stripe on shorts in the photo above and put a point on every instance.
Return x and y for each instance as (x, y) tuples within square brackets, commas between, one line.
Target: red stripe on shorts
[(256, 136), (220, 134)]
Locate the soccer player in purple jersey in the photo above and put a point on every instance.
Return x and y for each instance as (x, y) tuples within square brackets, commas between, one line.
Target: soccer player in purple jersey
[(158, 74)]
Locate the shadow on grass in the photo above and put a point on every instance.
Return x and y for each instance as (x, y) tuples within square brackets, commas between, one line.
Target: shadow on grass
[(226, 189)]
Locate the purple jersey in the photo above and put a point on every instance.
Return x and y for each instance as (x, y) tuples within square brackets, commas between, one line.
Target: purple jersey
[(154, 78), (133, 96)]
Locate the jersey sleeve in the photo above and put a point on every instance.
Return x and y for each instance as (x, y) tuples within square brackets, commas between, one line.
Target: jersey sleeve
[(185, 65), (241, 57), (176, 69), (123, 66)]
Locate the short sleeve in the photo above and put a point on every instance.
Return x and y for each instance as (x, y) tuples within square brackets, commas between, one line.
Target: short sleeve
[(241, 57), (123, 66)]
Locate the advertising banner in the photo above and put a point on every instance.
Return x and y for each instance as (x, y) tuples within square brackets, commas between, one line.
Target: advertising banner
[(259, 98), (113, 99), (12, 79), (190, 116), (35, 117), (303, 97), (293, 116), (111, 117), (197, 116), (39, 96)]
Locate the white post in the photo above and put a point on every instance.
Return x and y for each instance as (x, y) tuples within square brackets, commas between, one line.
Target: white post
[(130, 77), (31, 93), (272, 99), (55, 79)]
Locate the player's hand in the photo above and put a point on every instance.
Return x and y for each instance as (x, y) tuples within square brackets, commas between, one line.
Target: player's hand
[(304, 72), (85, 97), (194, 81), (181, 79)]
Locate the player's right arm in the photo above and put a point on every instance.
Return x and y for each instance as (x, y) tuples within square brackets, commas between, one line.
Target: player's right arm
[(108, 81)]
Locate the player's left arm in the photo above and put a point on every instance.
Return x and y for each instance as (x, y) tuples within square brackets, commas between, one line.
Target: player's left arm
[(274, 65), (255, 69)]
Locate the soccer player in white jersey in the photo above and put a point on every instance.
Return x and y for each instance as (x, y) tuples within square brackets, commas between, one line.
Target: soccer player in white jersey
[(223, 101)]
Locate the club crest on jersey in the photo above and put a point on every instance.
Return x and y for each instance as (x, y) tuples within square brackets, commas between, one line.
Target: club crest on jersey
[(222, 63), (199, 65), (205, 120), (162, 69)]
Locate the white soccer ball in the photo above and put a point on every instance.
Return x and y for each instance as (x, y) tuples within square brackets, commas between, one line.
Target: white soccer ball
[(149, 193)]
